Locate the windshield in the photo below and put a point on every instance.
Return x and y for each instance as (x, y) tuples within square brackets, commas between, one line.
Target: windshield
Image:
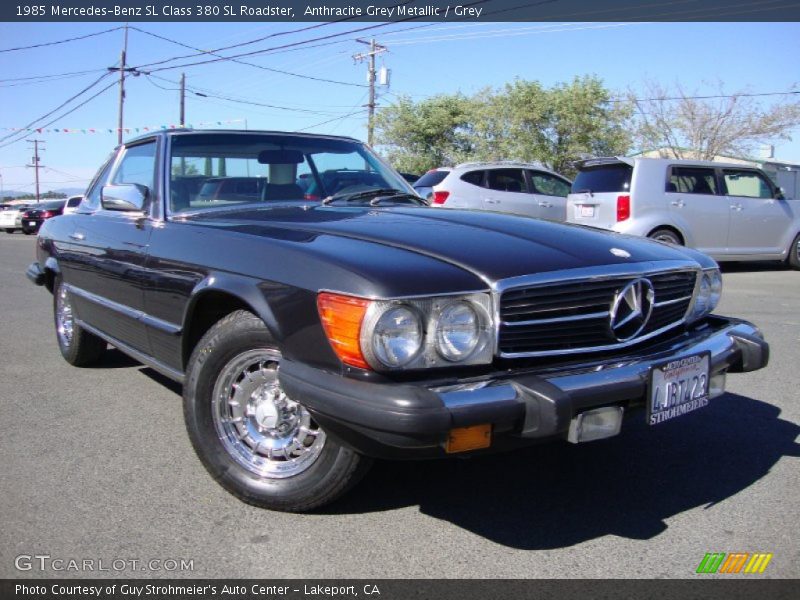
[(606, 178), (218, 170)]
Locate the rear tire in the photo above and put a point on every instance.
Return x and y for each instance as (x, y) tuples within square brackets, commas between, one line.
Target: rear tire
[(666, 235), (255, 441), (793, 260), (9, 230), (78, 347)]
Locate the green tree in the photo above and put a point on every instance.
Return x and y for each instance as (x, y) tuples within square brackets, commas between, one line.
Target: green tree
[(521, 121)]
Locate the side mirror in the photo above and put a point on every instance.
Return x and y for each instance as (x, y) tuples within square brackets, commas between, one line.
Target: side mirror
[(780, 194), (124, 197)]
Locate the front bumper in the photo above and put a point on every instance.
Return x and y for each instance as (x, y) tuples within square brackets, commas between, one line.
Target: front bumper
[(407, 420)]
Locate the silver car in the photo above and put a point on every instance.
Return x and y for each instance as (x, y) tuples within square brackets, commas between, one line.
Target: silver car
[(520, 188), (730, 211)]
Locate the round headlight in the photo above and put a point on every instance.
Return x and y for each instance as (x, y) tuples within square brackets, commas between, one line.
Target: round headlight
[(702, 302), (716, 290), (397, 336), (457, 331)]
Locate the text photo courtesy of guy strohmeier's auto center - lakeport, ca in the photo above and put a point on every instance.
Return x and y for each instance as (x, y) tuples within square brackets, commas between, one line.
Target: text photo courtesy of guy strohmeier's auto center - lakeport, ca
[(400, 299)]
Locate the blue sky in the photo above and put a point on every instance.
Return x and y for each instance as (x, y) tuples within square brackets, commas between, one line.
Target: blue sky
[(443, 57)]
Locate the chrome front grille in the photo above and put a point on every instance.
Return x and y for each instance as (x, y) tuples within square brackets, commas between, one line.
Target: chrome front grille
[(573, 316)]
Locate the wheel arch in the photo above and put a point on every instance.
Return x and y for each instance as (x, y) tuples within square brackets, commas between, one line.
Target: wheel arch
[(51, 271), (671, 228), (214, 298)]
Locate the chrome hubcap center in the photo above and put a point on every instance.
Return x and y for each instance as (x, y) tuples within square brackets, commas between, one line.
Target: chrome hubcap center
[(263, 429)]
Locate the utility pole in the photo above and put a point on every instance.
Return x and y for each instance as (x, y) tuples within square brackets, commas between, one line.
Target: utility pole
[(36, 166), (182, 121), (122, 68), (374, 48)]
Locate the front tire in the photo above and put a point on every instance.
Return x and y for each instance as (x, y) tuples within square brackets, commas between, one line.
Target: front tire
[(259, 444), (793, 260), (78, 347), (666, 235), (9, 230)]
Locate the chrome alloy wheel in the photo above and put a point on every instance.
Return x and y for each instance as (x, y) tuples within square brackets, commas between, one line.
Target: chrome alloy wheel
[(64, 318), (797, 249), (263, 430)]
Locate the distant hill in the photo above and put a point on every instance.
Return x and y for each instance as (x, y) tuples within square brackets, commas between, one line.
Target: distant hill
[(72, 191)]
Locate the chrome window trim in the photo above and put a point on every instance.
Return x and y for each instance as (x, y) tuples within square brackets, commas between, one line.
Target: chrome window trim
[(592, 274)]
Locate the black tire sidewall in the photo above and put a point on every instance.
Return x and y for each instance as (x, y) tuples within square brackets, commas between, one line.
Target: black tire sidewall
[(666, 232), (793, 260), (326, 478)]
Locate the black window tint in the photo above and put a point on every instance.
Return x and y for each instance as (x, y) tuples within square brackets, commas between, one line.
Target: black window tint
[(747, 183), (431, 178), (604, 178), (92, 199), (692, 180), (473, 177), (138, 165), (548, 185), (506, 180)]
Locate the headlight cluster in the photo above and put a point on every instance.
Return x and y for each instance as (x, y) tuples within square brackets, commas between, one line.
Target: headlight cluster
[(411, 333), (707, 294)]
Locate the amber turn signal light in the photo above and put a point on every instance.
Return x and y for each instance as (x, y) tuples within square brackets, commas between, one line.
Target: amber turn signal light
[(462, 439), (341, 318)]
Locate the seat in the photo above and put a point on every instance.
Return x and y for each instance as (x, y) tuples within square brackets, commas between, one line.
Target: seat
[(282, 191), (701, 186)]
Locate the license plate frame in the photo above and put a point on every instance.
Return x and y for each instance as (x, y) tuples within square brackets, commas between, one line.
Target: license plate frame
[(672, 387)]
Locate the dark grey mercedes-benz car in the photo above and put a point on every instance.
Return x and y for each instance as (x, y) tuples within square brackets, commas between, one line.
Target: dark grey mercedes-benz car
[(318, 313)]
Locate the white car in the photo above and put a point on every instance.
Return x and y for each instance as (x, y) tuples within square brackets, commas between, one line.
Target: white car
[(729, 211), (72, 204), (10, 217), (519, 188)]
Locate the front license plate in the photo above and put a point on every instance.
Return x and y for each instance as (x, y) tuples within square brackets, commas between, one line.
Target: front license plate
[(678, 387), (587, 210)]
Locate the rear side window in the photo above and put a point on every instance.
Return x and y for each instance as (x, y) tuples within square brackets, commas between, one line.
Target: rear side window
[(473, 177), (692, 180), (548, 185), (747, 183), (431, 178), (506, 180), (604, 178)]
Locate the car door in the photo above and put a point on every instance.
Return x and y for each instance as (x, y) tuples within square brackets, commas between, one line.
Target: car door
[(699, 208), (759, 221), (507, 191), (550, 194), (105, 262)]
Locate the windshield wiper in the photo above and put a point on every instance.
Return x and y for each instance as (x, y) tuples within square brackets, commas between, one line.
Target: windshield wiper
[(377, 196)]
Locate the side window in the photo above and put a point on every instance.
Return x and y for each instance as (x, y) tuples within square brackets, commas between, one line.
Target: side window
[(692, 180), (473, 177), (138, 165), (548, 185), (92, 199), (747, 183), (507, 180)]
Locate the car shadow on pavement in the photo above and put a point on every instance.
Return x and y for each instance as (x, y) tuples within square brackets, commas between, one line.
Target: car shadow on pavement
[(753, 267), (114, 359), (557, 495)]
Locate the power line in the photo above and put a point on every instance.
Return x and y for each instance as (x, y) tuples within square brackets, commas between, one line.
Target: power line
[(249, 64), (72, 39), (710, 97), (61, 116), (52, 75), (59, 107)]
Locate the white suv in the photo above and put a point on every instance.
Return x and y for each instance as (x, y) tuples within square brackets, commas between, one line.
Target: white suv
[(520, 188), (730, 211)]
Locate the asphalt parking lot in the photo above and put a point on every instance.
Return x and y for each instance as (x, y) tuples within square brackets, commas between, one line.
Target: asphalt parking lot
[(96, 465)]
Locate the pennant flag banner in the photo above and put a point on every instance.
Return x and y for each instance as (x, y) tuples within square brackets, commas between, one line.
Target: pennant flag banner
[(128, 130)]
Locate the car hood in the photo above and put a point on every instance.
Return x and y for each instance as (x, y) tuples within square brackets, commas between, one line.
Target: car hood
[(491, 245)]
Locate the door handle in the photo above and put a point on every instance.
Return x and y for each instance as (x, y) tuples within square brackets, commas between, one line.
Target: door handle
[(736, 207), (546, 204), (78, 237), (678, 203), (490, 201)]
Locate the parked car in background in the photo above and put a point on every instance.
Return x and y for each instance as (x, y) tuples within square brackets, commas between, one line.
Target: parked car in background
[(424, 185), (10, 217), (72, 204), (311, 336), (409, 177), (518, 188), (31, 220), (729, 211)]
